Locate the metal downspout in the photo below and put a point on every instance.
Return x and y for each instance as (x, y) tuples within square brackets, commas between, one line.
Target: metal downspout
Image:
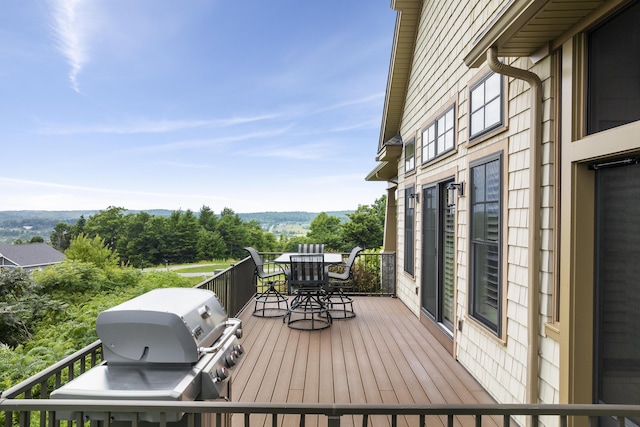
[(535, 85)]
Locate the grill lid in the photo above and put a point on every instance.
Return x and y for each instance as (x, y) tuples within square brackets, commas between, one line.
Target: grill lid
[(162, 326)]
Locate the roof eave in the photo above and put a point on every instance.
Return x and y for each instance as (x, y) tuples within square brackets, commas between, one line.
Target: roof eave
[(404, 40), (384, 171), (524, 28), (514, 15)]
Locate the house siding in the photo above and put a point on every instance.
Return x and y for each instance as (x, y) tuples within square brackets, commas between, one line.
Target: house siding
[(438, 79)]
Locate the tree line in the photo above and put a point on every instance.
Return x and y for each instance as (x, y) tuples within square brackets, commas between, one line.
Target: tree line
[(140, 239)]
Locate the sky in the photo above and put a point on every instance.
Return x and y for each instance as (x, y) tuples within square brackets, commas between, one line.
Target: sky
[(250, 105)]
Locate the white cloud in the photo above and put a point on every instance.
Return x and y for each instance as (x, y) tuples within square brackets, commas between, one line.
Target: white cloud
[(154, 126), (207, 142), (72, 29), (29, 194)]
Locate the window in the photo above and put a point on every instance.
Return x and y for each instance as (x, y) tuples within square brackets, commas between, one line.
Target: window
[(613, 67), (410, 156), (486, 105), (439, 136), (485, 295), (409, 231)]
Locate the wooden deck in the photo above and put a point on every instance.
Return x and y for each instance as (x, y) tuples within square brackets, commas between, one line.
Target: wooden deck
[(383, 355)]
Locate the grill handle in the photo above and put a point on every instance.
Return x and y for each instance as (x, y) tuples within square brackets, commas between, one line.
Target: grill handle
[(233, 327)]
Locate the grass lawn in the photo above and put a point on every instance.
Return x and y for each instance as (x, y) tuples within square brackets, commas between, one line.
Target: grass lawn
[(204, 268)]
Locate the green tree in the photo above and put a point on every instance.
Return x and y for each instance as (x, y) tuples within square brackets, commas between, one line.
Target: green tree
[(140, 242), (363, 229), (156, 234), (182, 236), (61, 236), (70, 280), (290, 244), (256, 237), (108, 224), (36, 239), (210, 245), (379, 208), (233, 233), (78, 228), (22, 305), (92, 250), (207, 219), (326, 229)]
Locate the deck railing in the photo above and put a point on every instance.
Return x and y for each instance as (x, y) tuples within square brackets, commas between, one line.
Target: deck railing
[(374, 274), (26, 404), (235, 286), (212, 413)]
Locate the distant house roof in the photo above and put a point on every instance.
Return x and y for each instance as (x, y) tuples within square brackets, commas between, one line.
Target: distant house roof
[(29, 256)]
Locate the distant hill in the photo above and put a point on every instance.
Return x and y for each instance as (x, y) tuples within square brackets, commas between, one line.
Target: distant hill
[(26, 224)]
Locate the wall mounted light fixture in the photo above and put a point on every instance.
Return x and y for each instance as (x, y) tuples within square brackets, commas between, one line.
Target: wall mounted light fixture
[(454, 189), (413, 199)]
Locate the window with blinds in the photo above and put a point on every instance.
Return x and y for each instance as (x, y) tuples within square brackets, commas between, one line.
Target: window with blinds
[(485, 303), (448, 262)]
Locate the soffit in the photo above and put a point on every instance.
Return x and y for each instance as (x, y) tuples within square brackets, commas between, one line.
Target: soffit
[(384, 171), (525, 27), (391, 150), (388, 156), (404, 40)]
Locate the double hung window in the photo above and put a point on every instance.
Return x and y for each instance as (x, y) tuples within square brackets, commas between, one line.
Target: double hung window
[(439, 136), (410, 156), (485, 295), (486, 105)]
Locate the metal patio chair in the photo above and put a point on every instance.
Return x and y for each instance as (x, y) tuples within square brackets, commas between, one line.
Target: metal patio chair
[(270, 302), (339, 304), (308, 309), (311, 248)]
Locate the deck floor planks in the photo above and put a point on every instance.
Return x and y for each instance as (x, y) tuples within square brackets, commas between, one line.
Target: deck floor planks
[(396, 366), (405, 386), (336, 358), (383, 355), (420, 368)]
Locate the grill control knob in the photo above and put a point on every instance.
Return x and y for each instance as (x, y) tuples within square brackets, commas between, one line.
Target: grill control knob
[(204, 312), (230, 360), (238, 348), (222, 373)]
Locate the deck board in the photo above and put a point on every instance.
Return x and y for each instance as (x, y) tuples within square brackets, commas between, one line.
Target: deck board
[(383, 355)]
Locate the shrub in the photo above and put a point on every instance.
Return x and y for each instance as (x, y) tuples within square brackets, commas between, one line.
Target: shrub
[(70, 277)]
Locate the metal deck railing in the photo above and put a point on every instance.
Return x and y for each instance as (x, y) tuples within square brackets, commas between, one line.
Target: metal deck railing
[(374, 274), (20, 412), (27, 404)]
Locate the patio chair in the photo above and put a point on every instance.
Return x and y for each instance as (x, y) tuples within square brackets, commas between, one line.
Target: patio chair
[(308, 277), (339, 304), (270, 302), (311, 248)]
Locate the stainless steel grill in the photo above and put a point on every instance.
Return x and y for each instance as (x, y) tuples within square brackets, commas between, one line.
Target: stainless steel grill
[(168, 344)]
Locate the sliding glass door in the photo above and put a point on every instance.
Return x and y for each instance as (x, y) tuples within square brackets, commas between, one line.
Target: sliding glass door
[(438, 259), (617, 336)]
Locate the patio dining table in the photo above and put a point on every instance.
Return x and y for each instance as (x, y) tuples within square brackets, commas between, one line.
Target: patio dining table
[(329, 257)]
